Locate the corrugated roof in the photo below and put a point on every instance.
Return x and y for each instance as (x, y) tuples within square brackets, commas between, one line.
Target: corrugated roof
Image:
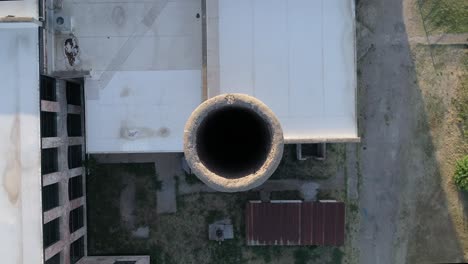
[(299, 223)]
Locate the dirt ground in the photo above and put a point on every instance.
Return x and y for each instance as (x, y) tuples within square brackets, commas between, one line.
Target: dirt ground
[(409, 210)]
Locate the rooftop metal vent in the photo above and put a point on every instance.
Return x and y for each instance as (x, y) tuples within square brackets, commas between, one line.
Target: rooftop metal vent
[(62, 22)]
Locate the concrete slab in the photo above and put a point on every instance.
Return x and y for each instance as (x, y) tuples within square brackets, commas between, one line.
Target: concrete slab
[(168, 166)]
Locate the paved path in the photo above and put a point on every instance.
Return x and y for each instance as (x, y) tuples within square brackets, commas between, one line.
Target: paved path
[(168, 166), (443, 39), (308, 189), (396, 154)]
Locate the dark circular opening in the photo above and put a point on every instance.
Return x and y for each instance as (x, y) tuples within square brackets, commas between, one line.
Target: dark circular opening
[(233, 141), (60, 20)]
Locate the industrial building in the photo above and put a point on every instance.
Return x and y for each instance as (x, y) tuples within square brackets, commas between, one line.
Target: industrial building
[(147, 77)]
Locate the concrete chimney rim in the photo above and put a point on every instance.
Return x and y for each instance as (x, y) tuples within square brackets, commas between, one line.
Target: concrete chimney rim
[(246, 182)]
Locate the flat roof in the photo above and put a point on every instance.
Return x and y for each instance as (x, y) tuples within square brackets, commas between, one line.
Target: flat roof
[(146, 63), (297, 56), (20, 145), (141, 111), (24, 8), (295, 223), (145, 60)]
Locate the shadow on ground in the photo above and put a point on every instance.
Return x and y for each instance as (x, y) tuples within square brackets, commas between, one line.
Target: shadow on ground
[(404, 211)]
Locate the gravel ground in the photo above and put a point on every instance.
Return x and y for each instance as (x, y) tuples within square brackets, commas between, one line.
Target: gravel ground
[(404, 217)]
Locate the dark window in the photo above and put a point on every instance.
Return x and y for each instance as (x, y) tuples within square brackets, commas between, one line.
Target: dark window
[(75, 187), (51, 232), (74, 156), (49, 160), (48, 124), (74, 125), (73, 93), (76, 250), (76, 219), (50, 196), (48, 89), (54, 260)]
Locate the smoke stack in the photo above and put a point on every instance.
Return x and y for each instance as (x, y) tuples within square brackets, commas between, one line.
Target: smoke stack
[(233, 142)]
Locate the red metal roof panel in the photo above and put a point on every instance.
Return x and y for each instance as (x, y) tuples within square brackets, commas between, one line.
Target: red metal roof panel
[(308, 223)]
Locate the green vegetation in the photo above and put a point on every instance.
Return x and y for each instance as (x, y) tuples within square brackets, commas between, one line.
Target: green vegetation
[(214, 215), (181, 237), (461, 174), (192, 179), (286, 195), (157, 255), (229, 251), (337, 256), (301, 256), (106, 233), (353, 207), (445, 16), (267, 253), (291, 168), (139, 168), (461, 103)]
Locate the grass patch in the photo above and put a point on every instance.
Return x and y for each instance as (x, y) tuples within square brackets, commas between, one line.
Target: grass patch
[(106, 234), (286, 195), (325, 195), (291, 168), (181, 237), (461, 174), (228, 251), (353, 207), (301, 256), (214, 215), (461, 102), (445, 16), (337, 256), (436, 110), (192, 179), (267, 253)]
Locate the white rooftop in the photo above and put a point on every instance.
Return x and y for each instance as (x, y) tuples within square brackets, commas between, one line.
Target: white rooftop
[(20, 145), (297, 56), (145, 58), (24, 8)]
